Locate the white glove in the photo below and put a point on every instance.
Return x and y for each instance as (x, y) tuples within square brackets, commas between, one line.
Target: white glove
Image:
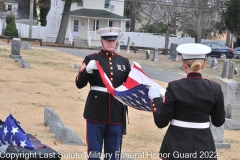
[(91, 65), (153, 93)]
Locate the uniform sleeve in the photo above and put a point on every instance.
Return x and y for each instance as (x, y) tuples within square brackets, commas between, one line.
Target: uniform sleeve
[(218, 112), (83, 77), (165, 109)]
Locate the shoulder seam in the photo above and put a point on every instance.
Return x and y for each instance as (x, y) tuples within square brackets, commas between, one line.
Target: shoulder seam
[(122, 56)]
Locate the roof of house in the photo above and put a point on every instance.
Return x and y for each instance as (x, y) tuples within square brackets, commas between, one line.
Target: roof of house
[(94, 13)]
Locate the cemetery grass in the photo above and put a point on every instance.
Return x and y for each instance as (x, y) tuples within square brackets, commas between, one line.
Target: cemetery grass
[(50, 83)]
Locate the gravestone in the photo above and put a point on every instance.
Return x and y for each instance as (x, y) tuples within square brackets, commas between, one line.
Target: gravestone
[(26, 45), (15, 48), (76, 66), (233, 122), (173, 52), (128, 45), (218, 137), (66, 135), (25, 63), (147, 54), (118, 46), (209, 59), (155, 55), (234, 111), (235, 71), (213, 65), (231, 70), (224, 70), (230, 90)]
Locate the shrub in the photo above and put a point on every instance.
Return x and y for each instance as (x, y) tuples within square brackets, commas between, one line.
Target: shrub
[(10, 29)]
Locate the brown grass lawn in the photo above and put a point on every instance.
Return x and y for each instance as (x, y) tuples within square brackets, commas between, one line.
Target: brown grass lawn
[(25, 93)]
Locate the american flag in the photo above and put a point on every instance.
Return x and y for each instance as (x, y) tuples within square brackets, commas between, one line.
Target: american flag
[(134, 92), (12, 133)]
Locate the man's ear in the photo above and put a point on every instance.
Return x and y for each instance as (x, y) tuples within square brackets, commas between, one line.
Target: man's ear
[(184, 65), (204, 64)]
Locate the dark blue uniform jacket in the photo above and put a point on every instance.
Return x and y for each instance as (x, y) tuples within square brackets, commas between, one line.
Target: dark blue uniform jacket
[(192, 99), (101, 106)]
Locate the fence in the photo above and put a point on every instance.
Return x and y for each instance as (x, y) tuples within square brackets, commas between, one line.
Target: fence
[(148, 39), (38, 32), (156, 41)]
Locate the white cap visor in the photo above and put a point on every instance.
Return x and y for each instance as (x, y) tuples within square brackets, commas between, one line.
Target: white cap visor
[(193, 50)]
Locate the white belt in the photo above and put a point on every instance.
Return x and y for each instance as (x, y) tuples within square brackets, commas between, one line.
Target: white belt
[(190, 124), (96, 88)]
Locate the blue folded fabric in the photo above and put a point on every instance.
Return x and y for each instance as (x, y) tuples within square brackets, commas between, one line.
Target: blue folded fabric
[(12, 133)]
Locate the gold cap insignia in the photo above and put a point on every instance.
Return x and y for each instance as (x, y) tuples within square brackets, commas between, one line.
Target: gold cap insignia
[(110, 30)]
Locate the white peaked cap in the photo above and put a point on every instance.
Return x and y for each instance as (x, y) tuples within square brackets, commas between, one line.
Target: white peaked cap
[(193, 50), (109, 31)]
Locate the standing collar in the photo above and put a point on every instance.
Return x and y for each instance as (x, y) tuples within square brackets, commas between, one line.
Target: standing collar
[(194, 75), (108, 53)]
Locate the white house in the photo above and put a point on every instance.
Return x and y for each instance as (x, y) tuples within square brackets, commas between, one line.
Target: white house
[(12, 6), (85, 18)]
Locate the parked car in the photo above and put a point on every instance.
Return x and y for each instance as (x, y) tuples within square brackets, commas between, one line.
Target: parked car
[(219, 50), (237, 53)]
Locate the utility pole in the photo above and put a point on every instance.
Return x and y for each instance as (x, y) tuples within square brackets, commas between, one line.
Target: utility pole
[(31, 18)]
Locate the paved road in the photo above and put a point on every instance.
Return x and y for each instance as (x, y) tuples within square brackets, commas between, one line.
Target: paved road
[(154, 73)]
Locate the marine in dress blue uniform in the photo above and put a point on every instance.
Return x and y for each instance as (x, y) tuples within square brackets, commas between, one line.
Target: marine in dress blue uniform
[(190, 105), (104, 114)]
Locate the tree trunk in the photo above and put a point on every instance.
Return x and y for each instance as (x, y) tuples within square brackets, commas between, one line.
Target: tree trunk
[(174, 28), (149, 20), (199, 34), (166, 42), (228, 38), (133, 20), (64, 22), (199, 29)]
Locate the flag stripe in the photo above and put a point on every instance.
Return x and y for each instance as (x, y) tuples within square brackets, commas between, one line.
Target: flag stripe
[(130, 83), (105, 79), (134, 92)]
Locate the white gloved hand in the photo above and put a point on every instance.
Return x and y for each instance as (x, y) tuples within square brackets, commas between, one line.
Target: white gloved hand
[(153, 93), (91, 65)]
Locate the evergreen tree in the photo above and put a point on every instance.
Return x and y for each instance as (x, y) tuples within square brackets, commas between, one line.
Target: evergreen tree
[(44, 7), (232, 17), (157, 27), (10, 29)]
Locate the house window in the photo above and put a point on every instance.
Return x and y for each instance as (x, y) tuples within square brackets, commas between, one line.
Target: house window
[(9, 8), (107, 3), (110, 23), (75, 25), (95, 24), (80, 4)]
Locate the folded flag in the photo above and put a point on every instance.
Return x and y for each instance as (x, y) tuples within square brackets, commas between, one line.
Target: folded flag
[(12, 133), (134, 92)]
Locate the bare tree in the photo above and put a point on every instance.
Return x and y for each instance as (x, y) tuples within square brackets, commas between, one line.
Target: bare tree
[(149, 7), (64, 21), (169, 13), (132, 10), (199, 19)]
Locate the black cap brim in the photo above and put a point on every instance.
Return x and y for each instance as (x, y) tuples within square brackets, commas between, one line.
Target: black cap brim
[(110, 38)]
